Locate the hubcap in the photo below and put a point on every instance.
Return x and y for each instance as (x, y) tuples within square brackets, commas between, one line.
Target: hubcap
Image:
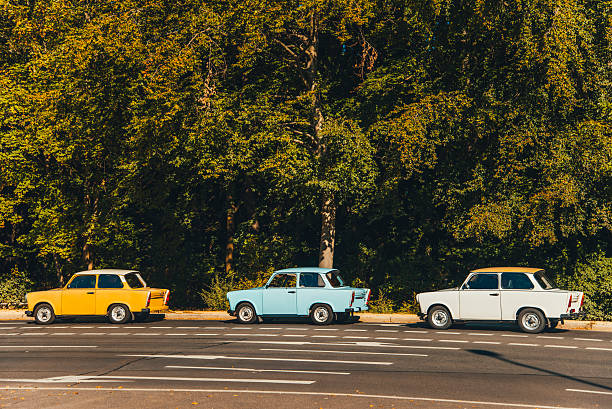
[(43, 314), (118, 313), (246, 313), (321, 314), (531, 321), (439, 318)]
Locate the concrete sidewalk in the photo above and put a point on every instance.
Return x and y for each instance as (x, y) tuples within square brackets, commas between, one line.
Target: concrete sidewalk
[(363, 317)]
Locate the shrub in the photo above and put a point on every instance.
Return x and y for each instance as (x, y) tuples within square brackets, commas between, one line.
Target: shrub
[(14, 286), (215, 295)]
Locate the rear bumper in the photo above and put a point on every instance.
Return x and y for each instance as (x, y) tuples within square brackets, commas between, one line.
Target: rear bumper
[(355, 309), (573, 316), (29, 313)]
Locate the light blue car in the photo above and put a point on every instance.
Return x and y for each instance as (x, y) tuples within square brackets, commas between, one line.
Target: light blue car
[(316, 292)]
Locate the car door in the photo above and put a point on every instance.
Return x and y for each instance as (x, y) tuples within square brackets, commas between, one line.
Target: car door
[(311, 289), (79, 296), (516, 292), (479, 297), (280, 297), (110, 290)]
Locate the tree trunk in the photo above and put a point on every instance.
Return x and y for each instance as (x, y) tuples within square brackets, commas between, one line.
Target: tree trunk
[(328, 231), (230, 230), (88, 256)]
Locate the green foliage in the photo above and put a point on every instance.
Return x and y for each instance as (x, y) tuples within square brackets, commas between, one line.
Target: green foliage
[(594, 277), (14, 286)]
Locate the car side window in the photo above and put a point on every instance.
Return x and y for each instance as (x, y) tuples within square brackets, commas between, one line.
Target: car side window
[(283, 280), (516, 281), (133, 281), (86, 281), (109, 281), (311, 280), (482, 282)]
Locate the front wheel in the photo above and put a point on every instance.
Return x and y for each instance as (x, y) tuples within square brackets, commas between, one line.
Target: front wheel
[(246, 313), (43, 314), (439, 318), (119, 314), (531, 321), (321, 314)]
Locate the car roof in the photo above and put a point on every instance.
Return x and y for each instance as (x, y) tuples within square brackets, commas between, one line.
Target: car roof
[(528, 270), (306, 270), (106, 271)]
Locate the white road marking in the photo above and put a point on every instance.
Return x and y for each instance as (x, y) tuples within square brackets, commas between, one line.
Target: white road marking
[(251, 335), (63, 333), (196, 328), (293, 335), (388, 338), (586, 391), (216, 327), (295, 329), (560, 346), (78, 326), (7, 323), (324, 336), (417, 331), (10, 333), (120, 333), (387, 325), (48, 346), (487, 342), (524, 345), (480, 334), (237, 328), (547, 337), (515, 336), (9, 327), (326, 329), (34, 333), (130, 326), (146, 333), (79, 378), (176, 334), (303, 393), (448, 332), (418, 339), (599, 349), (340, 352), (453, 340), (589, 339), (386, 330), (357, 343), (270, 328), (355, 337), (161, 327), (93, 333), (356, 330), (250, 358), (206, 334), (255, 370), (106, 327)]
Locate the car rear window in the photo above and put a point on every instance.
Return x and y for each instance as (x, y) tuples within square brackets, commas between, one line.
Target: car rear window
[(109, 281), (334, 279), (516, 281), (133, 280), (544, 281)]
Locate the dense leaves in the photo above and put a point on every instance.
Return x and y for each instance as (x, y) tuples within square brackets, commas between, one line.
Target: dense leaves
[(207, 142)]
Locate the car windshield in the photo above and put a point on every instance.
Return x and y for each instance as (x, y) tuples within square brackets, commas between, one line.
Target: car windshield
[(133, 280), (544, 281), (334, 279)]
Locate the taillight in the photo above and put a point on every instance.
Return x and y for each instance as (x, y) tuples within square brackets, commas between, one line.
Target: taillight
[(167, 297), (369, 296), (148, 298), (569, 303), (582, 301), (352, 299)]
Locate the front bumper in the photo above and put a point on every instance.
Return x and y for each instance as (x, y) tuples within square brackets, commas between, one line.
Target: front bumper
[(29, 313), (421, 315)]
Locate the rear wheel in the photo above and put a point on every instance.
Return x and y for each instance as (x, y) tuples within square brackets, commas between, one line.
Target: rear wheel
[(439, 317), (119, 314), (245, 313), (43, 314), (531, 321), (321, 314)]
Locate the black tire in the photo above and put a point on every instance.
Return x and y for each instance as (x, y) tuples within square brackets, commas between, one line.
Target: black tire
[(119, 314), (439, 317), (44, 314), (321, 314), (342, 317), (553, 323), (245, 313), (531, 321)]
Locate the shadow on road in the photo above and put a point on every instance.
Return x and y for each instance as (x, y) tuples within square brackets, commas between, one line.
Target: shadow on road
[(488, 326), (501, 358)]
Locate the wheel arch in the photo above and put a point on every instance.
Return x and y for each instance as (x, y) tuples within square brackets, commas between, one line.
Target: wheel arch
[(518, 312), (246, 301), (439, 304), (314, 304), (45, 302)]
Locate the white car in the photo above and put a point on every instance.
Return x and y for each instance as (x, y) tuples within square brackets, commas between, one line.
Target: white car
[(514, 294)]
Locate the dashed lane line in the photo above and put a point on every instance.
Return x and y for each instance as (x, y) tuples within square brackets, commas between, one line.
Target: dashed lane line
[(254, 358), (161, 327), (587, 391), (255, 370), (355, 337), (324, 336), (547, 337), (514, 336), (319, 351), (355, 330), (479, 334), (561, 346), (326, 329), (386, 330), (93, 333), (176, 334), (448, 333), (453, 340), (599, 349), (146, 333), (205, 334), (487, 342), (589, 339), (387, 338), (270, 328), (62, 333), (48, 346), (524, 345), (112, 378), (352, 344)]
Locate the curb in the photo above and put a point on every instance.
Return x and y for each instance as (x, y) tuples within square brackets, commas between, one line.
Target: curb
[(363, 317)]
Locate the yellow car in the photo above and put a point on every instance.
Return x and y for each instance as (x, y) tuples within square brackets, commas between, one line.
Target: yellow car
[(120, 295)]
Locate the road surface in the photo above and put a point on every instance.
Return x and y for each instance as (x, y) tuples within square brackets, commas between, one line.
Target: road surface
[(293, 364)]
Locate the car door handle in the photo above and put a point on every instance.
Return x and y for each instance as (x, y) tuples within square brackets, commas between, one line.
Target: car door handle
[(90, 292), (291, 292), (494, 294)]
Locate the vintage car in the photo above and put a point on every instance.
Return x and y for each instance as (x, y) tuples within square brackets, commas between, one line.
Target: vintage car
[(120, 295), (513, 294), (316, 292)]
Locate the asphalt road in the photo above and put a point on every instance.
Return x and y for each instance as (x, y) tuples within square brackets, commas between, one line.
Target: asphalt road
[(287, 364)]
